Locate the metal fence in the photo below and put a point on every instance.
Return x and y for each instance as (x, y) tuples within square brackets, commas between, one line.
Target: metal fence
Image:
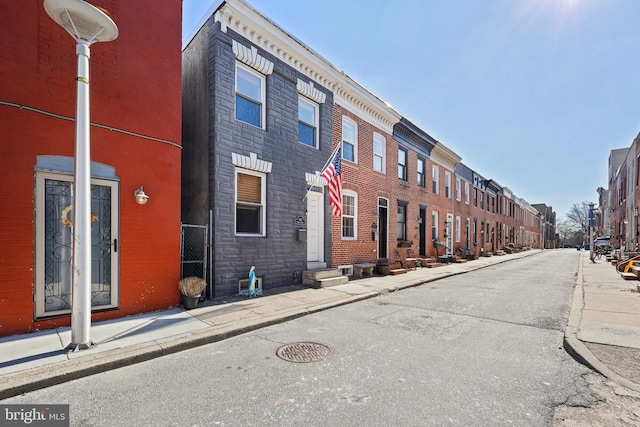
[(193, 248)]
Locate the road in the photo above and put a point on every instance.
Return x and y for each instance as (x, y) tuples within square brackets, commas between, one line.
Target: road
[(478, 349)]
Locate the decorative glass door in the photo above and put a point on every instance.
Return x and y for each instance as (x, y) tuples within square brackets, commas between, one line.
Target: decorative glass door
[(54, 244)]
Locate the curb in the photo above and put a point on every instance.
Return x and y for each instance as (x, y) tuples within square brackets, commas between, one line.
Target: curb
[(46, 376), (576, 348)]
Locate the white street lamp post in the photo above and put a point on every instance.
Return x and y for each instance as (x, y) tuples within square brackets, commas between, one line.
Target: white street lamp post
[(87, 25), (591, 256)]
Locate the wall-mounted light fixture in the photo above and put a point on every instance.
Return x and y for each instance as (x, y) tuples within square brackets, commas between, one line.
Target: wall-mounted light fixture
[(141, 197), (419, 220)]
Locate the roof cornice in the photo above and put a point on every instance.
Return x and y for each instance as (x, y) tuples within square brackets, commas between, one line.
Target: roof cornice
[(445, 156), (410, 134), (243, 19)]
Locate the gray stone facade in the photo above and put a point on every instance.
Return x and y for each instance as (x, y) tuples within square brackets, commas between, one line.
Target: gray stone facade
[(211, 134)]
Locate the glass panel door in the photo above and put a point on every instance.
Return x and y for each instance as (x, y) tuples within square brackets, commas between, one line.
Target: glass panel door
[(54, 244)]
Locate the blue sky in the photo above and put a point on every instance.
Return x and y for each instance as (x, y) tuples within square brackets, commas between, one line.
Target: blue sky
[(531, 93)]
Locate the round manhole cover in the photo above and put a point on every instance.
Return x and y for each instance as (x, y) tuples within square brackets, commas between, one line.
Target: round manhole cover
[(303, 352)]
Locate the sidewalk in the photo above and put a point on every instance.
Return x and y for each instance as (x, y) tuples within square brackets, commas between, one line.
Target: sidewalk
[(605, 314), (604, 311)]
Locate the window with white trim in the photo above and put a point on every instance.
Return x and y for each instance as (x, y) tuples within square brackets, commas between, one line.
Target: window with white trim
[(349, 215), (457, 229), (420, 170), (447, 185), (250, 95), (458, 189), (307, 122), (435, 179), (349, 140), (466, 193), (250, 202), (379, 153)]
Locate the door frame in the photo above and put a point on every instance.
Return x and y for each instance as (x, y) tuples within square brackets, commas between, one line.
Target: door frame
[(383, 228), (317, 192), (40, 244)]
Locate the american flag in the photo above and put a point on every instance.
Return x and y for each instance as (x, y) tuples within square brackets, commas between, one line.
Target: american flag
[(333, 174)]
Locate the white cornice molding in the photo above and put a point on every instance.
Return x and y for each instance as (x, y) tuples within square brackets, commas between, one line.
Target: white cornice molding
[(250, 56), (264, 33), (251, 162), (445, 156)]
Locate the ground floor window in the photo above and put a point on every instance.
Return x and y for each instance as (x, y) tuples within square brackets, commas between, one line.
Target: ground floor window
[(349, 210), (250, 201)]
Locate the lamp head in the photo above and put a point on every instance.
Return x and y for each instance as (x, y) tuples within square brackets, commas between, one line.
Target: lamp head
[(83, 21)]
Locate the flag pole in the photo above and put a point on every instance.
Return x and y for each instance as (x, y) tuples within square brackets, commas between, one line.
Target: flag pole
[(315, 180)]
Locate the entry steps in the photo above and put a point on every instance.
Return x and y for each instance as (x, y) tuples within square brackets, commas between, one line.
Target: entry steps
[(323, 278)]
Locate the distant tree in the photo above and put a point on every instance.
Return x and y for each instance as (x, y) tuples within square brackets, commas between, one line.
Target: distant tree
[(577, 223), (563, 231)]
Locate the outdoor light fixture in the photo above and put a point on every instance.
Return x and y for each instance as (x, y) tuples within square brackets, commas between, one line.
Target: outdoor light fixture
[(141, 197), (87, 25)]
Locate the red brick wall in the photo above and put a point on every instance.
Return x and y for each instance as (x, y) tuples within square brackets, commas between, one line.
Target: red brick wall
[(135, 86), (362, 179)]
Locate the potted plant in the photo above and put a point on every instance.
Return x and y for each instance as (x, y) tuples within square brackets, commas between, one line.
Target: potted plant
[(191, 288)]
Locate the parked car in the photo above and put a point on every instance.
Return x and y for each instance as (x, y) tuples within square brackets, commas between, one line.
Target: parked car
[(603, 243)]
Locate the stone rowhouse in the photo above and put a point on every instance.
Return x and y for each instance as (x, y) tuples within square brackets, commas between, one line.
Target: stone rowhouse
[(135, 141), (257, 131)]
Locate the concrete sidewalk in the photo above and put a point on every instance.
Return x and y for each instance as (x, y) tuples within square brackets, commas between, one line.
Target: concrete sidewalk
[(603, 305), (603, 330)]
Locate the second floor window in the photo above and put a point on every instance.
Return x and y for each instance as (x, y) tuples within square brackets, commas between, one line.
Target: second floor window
[(458, 189), (379, 150), (307, 119), (421, 178), (249, 96), (349, 135), (402, 164), (435, 178), (447, 185), (466, 193)]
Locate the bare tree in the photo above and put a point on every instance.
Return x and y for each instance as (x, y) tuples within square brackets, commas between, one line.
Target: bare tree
[(577, 222)]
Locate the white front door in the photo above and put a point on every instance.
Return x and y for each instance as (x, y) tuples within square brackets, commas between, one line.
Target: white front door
[(315, 225)]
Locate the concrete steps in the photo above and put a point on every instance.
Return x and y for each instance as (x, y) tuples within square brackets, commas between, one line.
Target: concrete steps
[(323, 278)]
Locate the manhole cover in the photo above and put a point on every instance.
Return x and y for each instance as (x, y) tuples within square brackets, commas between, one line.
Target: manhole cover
[(303, 352)]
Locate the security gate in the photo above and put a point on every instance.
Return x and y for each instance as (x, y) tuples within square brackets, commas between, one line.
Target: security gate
[(193, 245)]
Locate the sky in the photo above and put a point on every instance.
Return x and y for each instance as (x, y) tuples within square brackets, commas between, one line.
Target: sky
[(531, 93)]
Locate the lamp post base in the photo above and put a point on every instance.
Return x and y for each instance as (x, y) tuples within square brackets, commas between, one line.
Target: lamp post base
[(73, 347)]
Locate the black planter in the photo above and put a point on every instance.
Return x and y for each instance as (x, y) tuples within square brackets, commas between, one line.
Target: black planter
[(189, 302)]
